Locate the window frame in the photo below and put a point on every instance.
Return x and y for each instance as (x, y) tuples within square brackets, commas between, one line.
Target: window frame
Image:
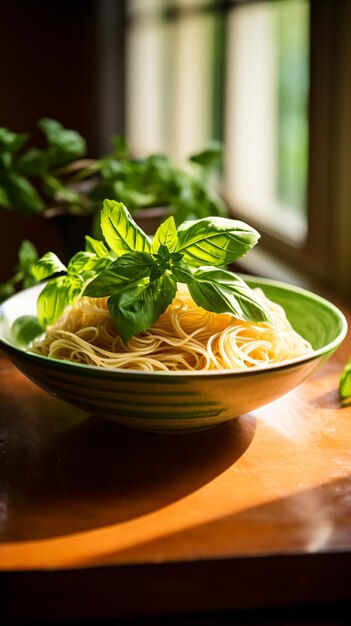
[(322, 258)]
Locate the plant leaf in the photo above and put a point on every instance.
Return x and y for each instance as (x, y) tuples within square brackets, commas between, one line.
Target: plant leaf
[(11, 141), (126, 269), (55, 189), (27, 256), (6, 290), (136, 308), (209, 156), (345, 382), (75, 285), (22, 195), (79, 261), (220, 291), (120, 231), (32, 163), (25, 328), (95, 246), (4, 198), (182, 272), (47, 265), (165, 235), (215, 240), (63, 145), (52, 301)]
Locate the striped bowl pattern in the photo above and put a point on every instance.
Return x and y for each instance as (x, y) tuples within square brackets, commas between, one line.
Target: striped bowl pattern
[(176, 402)]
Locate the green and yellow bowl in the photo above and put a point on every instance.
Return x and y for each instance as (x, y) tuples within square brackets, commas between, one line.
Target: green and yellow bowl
[(180, 401)]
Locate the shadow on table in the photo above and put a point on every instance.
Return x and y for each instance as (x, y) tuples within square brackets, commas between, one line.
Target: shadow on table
[(89, 474)]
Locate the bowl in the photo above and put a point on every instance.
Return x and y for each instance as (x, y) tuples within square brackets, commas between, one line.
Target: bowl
[(176, 402)]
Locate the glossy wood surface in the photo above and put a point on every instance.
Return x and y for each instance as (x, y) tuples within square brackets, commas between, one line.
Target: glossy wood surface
[(256, 512)]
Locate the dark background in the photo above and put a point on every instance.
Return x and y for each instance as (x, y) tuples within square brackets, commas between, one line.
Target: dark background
[(62, 59)]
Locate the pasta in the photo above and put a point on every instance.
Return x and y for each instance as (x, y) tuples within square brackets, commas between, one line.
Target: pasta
[(185, 337)]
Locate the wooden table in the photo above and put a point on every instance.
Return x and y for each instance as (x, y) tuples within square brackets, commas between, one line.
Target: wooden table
[(100, 523)]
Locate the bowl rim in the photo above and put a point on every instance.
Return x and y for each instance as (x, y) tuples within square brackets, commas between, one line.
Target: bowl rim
[(110, 372)]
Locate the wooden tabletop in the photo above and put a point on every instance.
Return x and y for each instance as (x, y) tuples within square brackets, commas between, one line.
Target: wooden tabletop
[(111, 523)]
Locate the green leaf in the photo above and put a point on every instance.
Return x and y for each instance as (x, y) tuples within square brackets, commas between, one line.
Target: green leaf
[(215, 240), (27, 256), (79, 262), (165, 235), (11, 141), (182, 272), (75, 284), (126, 269), (95, 246), (136, 308), (52, 301), (29, 281), (63, 145), (55, 189), (87, 264), (134, 198), (6, 162), (6, 290), (25, 328), (47, 265), (345, 382), (4, 198), (220, 291), (32, 163), (120, 231), (22, 195), (210, 156), (120, 145)]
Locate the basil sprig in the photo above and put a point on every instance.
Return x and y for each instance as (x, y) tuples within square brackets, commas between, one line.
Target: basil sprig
[(345, 384), (64, 289), (140, 276)]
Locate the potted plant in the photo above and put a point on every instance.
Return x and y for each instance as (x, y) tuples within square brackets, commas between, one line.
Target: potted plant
[(58, 183)]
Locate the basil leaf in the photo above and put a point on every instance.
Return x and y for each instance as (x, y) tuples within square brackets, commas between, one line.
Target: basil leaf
[(208, 157), (120, 145), (136, 308), (46, 266), (75, 284), (32, 163), (25, 329), (345, 382), (63, 145), (88, 264), (182, 272), (52, 301), (79, 262), (134, 198), (165, 235), (215, 240), (220, 291), (120, 231), (55, 189), (11, 141), (95, 246), (6, 290), (4, 198), (128, 268), (22, 195), (27, 255), (5, 162)]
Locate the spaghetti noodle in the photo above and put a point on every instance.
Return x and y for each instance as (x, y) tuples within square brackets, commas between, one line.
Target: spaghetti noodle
[(185, 337)]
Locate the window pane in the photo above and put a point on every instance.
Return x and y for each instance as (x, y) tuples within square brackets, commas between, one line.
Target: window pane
[(266, 109), (146, 71), (174, 83)]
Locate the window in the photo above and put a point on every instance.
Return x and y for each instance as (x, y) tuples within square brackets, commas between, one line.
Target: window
[(267, 109), (173, 72), (271, 79)]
